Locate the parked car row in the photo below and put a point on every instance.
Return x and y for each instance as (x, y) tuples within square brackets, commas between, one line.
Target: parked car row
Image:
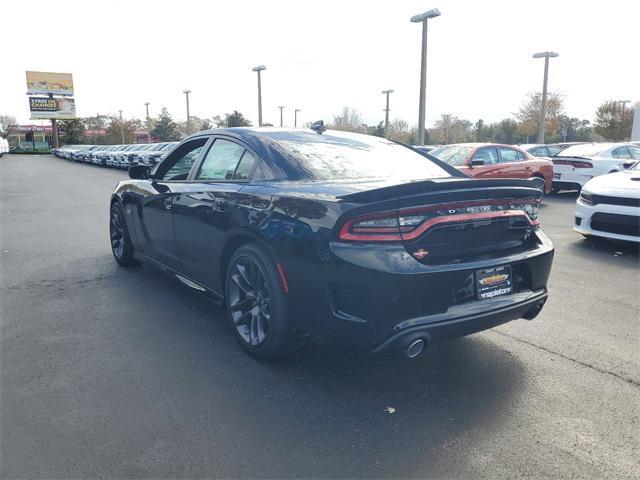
[(563, 166), (116, 156)]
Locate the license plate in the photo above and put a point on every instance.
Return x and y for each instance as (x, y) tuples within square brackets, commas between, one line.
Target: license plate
[(494, 282), (557, 176)]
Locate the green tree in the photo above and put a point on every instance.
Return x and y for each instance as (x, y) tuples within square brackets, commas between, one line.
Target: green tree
[(574, 130), (165, 129), (529, 113), (118, 128), (71, 131), (235, 119), (507, 131), (612, 122), (377, 130)]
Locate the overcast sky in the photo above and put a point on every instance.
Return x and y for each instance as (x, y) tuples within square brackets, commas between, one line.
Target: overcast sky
[(321, 55)]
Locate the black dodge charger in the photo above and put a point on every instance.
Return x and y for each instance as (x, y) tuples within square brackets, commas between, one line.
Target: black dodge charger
[(340, 238)]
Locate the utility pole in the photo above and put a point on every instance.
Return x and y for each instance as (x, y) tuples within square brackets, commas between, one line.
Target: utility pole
[(146, 104), (258, 69), (121, 127), (543, 105), (423, 18), (281, 108), (295, 117), (187, 92), (54, 130), (386, 114)]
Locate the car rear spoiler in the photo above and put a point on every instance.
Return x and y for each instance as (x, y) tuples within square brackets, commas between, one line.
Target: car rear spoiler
[(533, 187)]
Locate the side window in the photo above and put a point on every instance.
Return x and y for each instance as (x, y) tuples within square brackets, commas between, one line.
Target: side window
[(508, 155), (539, 152), (488, 154), (178, 165), (247, 162), (621, 152), (635, 152), (554, 150), (221, 161)]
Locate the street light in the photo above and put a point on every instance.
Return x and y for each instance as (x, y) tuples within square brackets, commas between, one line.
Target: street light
[(295, 117), (281, 108), (146, 104), (258, 69), (423, 18), (121, 127), (386, 113), (187, 92), (543, 106)]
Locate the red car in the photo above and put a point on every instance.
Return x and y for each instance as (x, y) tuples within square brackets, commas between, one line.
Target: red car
[(493, 160)]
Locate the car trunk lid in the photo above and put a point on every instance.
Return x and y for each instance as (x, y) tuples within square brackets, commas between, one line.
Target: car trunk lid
[(445, 221)]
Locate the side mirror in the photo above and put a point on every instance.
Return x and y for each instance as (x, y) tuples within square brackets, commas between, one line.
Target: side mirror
[(476, 162), (139, 172), (628, 164)]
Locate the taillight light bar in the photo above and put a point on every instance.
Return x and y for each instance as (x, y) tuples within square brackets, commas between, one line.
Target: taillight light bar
[(409, 223), (573, 163)]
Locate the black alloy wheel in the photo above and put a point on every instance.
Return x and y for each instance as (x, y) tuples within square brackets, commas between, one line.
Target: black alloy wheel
[(256, 303), (119, 236)]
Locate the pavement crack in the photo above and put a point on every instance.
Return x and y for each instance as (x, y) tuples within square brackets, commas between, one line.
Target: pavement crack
[(631, 381)]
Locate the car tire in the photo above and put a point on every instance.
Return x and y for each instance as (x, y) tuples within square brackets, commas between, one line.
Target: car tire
[(256, 303), (121, 245)]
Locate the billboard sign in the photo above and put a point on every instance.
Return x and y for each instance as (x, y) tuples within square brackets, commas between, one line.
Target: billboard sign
[(45, 83), (43, 108)]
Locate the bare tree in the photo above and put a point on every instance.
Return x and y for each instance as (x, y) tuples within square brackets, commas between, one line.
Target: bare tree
[(400, 132), (349, 120), (5, 121)]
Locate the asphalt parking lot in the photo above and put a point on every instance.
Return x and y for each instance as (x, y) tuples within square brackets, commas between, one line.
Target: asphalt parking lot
[(107, 372)]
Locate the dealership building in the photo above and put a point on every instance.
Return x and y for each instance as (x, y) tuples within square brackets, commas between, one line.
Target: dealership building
[(30, 138)]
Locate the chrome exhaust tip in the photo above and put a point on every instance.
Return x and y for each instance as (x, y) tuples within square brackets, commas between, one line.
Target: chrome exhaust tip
[(415, 348)]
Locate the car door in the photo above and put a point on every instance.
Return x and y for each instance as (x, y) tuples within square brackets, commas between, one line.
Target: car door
[(155, 227), (514, 164), (205, 210), (490, 167)]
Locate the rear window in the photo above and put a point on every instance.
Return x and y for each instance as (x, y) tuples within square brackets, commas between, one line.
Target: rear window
[(337, 155), (454, 155), (586, 150)]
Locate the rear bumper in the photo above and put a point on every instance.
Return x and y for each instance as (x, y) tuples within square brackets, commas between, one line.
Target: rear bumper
[(465, 320), (380, 298), (571, 180)]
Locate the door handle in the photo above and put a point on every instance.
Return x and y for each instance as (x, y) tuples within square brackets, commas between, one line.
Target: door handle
[(168, 203)]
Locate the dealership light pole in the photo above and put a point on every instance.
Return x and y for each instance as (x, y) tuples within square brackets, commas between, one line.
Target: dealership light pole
[(623, 103), (543, 105), (386, 113), (258, 69), (295, 117), (187, 92), (281, 108), (423, 18), (146, 104), (121, 127)]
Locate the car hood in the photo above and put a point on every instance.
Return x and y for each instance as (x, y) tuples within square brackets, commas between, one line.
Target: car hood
[(626, 182)]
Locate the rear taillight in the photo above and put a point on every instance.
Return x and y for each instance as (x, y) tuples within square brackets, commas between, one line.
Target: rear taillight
[(409, 223), (573, 163)]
